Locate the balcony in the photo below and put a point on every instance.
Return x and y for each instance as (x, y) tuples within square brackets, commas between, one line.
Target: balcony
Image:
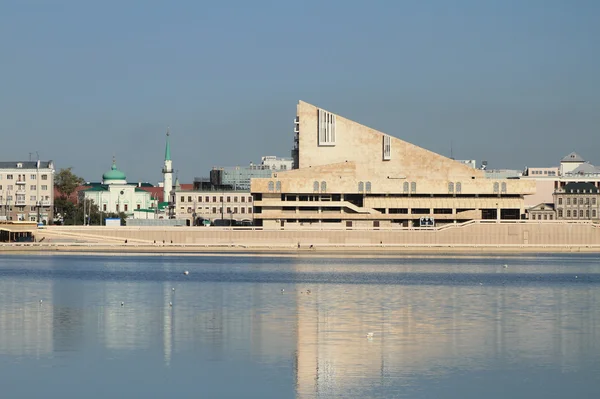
[(20, 202), (21, 182), (45, 202)]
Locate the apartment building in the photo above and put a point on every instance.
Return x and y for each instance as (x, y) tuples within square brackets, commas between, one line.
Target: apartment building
[(198, 206), (27, 191)]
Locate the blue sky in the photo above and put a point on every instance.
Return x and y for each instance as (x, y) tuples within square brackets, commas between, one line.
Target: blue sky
[(516, 83)]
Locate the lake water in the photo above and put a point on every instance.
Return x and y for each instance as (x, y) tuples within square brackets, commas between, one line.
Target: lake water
[(441, 328)]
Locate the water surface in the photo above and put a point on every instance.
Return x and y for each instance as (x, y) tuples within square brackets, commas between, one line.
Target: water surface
[(441, 327)]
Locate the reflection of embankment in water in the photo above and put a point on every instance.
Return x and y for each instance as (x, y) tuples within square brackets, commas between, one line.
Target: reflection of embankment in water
[(25, 323), (434, 330)]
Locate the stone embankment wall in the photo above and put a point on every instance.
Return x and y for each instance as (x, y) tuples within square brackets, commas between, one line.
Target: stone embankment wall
[(518, 234)]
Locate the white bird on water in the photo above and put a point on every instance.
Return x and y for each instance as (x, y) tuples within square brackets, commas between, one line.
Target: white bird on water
[(122, 303), (505, 266), (173, 288), (282, 290), (170, 303), (41, 300), (186, 272)]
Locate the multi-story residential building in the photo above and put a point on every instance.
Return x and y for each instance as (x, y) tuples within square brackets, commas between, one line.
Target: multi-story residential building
[(27, 191), (208, 206), (577, 201), (348, 175)]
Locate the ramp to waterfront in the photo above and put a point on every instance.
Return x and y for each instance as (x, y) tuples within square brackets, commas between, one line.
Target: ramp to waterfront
[(469, 236)]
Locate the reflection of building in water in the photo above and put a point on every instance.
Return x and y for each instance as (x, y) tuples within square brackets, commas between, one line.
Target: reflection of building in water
[(25, 324), (133, 325), (224, 317), (68, 318), (435, 330), (167, 324)]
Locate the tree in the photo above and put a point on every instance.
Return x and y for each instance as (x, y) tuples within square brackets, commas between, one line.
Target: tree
[(66, 182)]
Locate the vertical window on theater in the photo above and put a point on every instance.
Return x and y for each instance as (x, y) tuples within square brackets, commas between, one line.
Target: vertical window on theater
[(458, 187), (361, 187), (413, 187), (560, 213), (278, 186), (496, 188), (271, 186), (503, 188), (405, 187), (581, 213), (368, 187), (326, 128), (316, 187), (451, 187), (323, 187), (387, 148)]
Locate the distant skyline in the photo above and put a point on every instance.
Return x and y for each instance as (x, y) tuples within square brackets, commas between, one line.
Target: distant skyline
[(515, 83)]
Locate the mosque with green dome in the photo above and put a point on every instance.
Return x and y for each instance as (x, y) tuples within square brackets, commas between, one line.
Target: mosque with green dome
[(115, 195)]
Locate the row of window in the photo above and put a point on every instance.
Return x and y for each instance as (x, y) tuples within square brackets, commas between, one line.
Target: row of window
[(575, 212), (214, 209), (118, 207), (20, 208), (499, 187), (21, 197), (274, 186), (22, 177), (455, 186), (546, 217), (10, 187), (364, 187), (582, 201), (544, 172), (413, 187), (214, 198), (316, 186)]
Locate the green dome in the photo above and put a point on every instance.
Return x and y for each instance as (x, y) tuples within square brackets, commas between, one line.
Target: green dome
[(113, 174)]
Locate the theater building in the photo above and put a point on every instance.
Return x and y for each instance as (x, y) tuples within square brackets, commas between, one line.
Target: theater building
[(347, 175)]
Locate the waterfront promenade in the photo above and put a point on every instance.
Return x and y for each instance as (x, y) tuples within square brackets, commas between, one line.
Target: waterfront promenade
[(470, 237)]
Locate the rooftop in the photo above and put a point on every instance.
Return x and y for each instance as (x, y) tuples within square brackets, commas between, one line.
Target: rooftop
[(573, 157), (580, 187), (26, 164)]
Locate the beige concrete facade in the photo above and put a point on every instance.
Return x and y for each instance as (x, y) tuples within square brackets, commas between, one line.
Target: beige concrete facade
[(354, 176), (477, 235)]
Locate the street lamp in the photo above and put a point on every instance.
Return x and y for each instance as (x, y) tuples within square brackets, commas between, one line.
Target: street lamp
[(231, 218), (38, 205)]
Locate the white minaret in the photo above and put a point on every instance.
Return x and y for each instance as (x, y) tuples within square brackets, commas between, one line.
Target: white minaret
[(167, 172)]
